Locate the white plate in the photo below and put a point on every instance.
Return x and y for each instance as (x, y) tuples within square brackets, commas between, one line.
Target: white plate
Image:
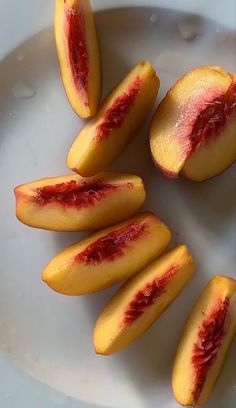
[(46, 338)]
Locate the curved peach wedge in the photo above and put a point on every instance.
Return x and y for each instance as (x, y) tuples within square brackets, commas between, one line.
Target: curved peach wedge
[(122, 113), (140, 301), (193, 129), (108, 256), (78, 53), (74, 203), (205, 341)]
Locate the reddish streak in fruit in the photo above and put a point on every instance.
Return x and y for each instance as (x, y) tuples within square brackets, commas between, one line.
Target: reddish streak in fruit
[(210, 338), (204, 117), (115, 115), (112, 245), (147, 296), (77, 49), (73, 193)]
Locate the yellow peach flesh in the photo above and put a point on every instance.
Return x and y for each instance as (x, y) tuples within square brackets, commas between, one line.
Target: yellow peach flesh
[(120, 116), (78, 53), (171, 142), (100, 201), (114, 330), (108, 256), (184, 380)]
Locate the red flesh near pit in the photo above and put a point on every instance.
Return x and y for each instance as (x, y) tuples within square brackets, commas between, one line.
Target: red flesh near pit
[(72, 193), (147, 297), (214, 111), (112, 245), (115, 115), (213, 119), (77, 49), (210, 338)]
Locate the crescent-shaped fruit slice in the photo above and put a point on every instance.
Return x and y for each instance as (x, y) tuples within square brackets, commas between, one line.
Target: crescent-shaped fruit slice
[(193, 130), (205, 341), (108, 256), (122, 113), (74, 203), (78, 53), (140, 301)]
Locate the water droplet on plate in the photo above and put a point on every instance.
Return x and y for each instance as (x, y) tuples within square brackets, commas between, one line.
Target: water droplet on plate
[(188, 29), (22, 90), (153, 18)]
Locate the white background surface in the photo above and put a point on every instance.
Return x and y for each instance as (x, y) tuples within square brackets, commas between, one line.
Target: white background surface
[(48, 335)]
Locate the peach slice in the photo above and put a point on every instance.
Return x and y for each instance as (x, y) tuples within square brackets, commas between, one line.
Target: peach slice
[(193, 129), (78, 53), (205, 341), (122, 113), (108, 256), (74, 203), (137, 304)]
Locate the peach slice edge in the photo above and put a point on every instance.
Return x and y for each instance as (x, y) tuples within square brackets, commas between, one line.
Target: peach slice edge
[(122, 197), (171, 157), (111, 334), (75, 18), (183, 376), (90, 153), (108, 256)]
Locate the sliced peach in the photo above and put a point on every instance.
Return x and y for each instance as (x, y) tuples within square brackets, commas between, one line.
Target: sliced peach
[(74, 203), (108, 256), (193, 129), (78, 53), (122, 113), (219, 153), (205, 341), (137, 304)]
